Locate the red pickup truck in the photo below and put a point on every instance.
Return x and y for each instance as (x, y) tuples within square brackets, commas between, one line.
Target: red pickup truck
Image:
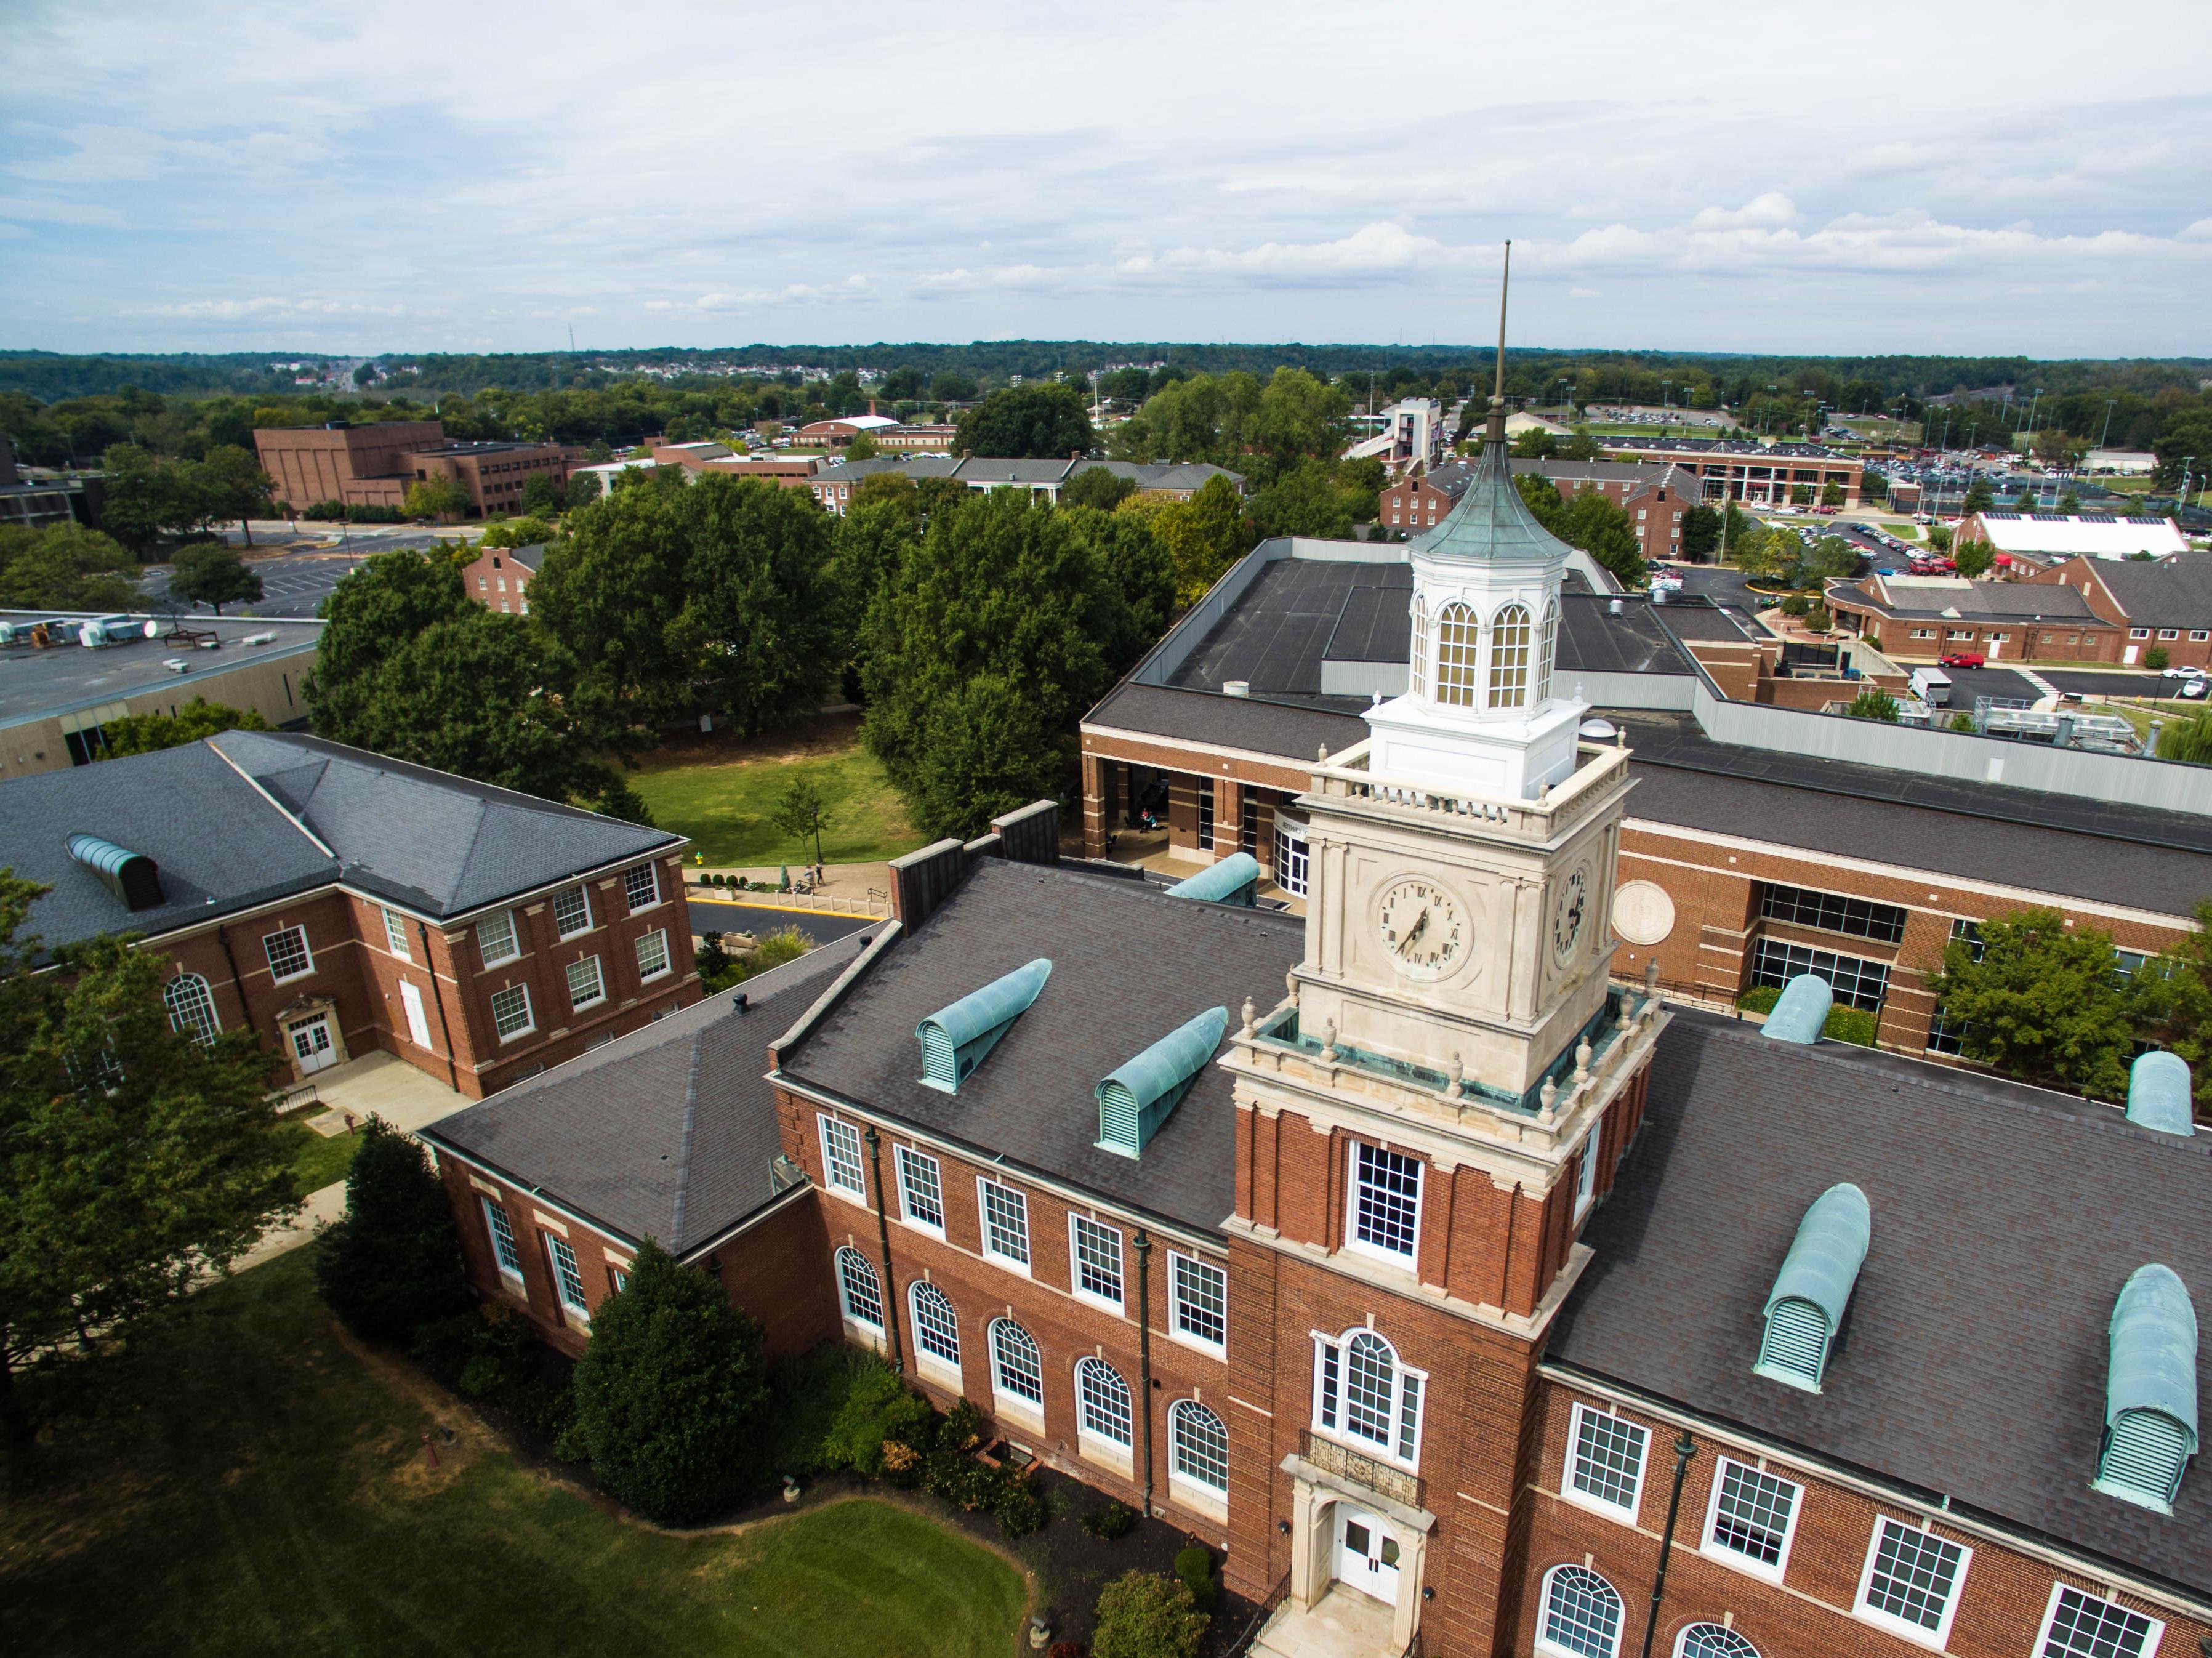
[(1962, 659)]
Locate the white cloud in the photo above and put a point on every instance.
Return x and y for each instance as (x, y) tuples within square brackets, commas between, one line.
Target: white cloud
[(1765, 211)]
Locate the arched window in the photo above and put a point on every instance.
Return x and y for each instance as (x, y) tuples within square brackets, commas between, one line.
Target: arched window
[(1199, 1443), (860, 1290), (1362, 1394), (1456, 644), (1581, 1615), (1104, 1399), (191, 1008), (1509, 658), (1713, 1641), (1420, 685), (1547, 648), (1015, 1366), (936, 1326)]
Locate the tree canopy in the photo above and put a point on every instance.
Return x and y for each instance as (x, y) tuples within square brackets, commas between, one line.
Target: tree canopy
[(208, 574), (1204, 536), (2043, 1001), (1588, 520), (1036, 422), (392, 1262), (142, 733), (64, 566)]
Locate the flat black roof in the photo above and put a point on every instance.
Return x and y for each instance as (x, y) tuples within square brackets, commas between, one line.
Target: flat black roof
[(1279, 630)]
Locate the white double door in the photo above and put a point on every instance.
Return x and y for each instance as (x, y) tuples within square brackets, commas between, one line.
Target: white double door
[(311, 1046), (1366, 1554)]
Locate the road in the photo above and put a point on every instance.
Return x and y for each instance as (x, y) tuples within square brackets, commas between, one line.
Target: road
[(821, 925)]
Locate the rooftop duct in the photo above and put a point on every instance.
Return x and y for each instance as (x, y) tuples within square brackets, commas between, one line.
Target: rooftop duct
[(955, 1039), (1231, 881), (1140, 1095), (1810, 1292), (2150, 1391), (132, 877), (2158, 1093), (1802, 1014)]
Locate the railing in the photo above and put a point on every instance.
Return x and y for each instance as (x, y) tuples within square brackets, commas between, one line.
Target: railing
[(1276, 1596), (876, 903), (286, 1100), (1347, 775), (1360, 1469)]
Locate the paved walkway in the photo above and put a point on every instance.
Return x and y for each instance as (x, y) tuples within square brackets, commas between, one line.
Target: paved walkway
[(1342, 1623)]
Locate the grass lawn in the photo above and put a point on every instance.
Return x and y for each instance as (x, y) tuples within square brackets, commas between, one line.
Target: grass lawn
[(722, 791), (244, 1485), (1902, 531), (319, 1160)]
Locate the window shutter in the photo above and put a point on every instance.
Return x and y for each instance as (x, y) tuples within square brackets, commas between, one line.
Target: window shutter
[(1409, 1412)]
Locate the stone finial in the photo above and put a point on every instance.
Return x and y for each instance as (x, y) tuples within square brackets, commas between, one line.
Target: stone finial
[(1652, 974), (1581, 1061), (1328, 1043), (1247, 1011), (1549, 1094), (1457, 1088), (1323, 754), (1290, 985)]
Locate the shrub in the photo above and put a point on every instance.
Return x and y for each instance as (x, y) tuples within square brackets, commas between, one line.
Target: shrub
[(878, 1409), (1147, 1615), (2156, 658), (1112, 1521), (1795, 605), (963, 1428), (961, 1480), (325, 510), (1019, 1510), (1760, 998), (1962, 722), (392, 1263), (1850, 1025), (1873, 641), (1874, 703), (670, 1394), (1195, 1565), (1817, 619)]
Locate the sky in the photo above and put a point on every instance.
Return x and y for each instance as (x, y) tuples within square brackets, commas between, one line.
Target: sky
[(353, 179)]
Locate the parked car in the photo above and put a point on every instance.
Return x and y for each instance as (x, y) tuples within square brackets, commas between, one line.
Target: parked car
[(1962, 659), (2182, 673), (2194, 689)]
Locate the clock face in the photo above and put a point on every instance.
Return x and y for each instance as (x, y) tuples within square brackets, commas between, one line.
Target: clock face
[(1423, 931), (1568, 910)]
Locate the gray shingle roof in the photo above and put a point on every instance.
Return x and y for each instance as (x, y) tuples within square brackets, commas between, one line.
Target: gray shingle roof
[(2172, 592), (442, 844), (667, 1132), (1129, 965), (1972, 1360), (2008, 600)]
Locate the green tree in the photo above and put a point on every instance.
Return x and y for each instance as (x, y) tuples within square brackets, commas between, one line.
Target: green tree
[(1588, 520), (2189, 741), (138, 1159), (232, 485), (1147, 1615), (1581, 445), (2185, 442), (1298, 423), (1036, 422), (2182, 987), (760, 613), (862, 448), (670, 1393), (1303, 500), (1701, 532), (1939, 537), (2045, 1003), (1974, 558), (583, 489), (144, 499), (439, 498), (951, 386), (1980, 498), (1831, 494), (2069, 501), (541, 496), (213, 575), (1831, 558), (392, 1263), (1874, 703), (1534, 444), (2025, 500), (524, 531), (1140, 566), (142, 733), (1204, 535), (1094, 486), (801, 812), (64, 566)]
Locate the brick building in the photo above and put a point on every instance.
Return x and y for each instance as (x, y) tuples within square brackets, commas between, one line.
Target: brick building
[(1767, 474), (499, 577), (2162, 604), (1465, 1295), (372, 465), (1655, 496), (2042, 539), (335, 901), (1167, 480), (1928, 616)]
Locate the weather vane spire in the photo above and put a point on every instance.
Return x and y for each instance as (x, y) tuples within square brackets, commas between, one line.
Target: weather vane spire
[(1495, 432)]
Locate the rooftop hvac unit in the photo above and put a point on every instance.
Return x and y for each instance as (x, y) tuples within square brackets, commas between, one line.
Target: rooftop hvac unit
[(176, 664), (258, 639)]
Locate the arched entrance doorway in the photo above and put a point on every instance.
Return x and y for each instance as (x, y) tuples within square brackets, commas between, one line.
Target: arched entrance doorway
[(1369, 1555)]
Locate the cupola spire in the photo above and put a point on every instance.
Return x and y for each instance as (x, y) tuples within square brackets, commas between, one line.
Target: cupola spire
[(1495, 431)]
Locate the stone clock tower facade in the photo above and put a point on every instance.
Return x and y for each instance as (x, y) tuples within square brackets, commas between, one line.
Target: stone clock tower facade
[(1426, 1118)]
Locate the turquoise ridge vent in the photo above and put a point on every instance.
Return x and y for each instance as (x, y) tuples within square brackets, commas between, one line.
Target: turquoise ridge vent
[(1231, 881), (955, 1039), (2158, 1093), (1814, 1285), (132, 877), (1138, 1097), (1802, 1014), (2150, 1391)]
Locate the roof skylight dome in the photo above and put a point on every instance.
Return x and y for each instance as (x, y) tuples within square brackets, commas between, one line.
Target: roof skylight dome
[(2158, 1093)]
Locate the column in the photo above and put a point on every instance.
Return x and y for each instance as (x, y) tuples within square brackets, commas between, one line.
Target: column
[(1228, 816), (1095, 806)]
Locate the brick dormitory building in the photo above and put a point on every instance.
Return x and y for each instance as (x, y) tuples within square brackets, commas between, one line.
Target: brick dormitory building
[(336, 902), (1414, 1251), (1654, 495), (372, 464)]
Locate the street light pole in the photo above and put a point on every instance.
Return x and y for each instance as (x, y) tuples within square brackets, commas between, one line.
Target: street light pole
[(2105, 434)]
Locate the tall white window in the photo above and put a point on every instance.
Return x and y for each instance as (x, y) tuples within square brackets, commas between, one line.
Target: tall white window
[(1547, 648), (572, 911), (936, 1326), (1102, 1399), (1198, 1301), (1912, 1579), (641, 886), (653, 955), (587, 984), (495, 940), (1016, 1370), (859, 1289), (1199, 1445), (568, 1281), (1581, 1615), (191, 1007), (1751, 1518), (841, 1158), (1420, 649), (395, 934), (1713, 1641), (287, 953), (1586, 1171), (502, 1240), (1006, 1224), (1509, 658), (1458, 648), (1605, 1462), (2082, 1626), (922, 1198), (510, 1012), (1293, 856), (1363, 1394), (1095, 1255), (1386, 1202)]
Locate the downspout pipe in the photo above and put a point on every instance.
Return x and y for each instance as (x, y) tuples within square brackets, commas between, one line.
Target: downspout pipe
[(1685, 1449), (884, 1241), (1143, 1245), (237, 983), (438, 995)]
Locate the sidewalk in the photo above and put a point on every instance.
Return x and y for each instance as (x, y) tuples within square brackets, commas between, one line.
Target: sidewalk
[(863, 889)]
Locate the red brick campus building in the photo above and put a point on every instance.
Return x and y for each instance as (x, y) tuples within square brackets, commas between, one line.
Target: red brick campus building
[(1470, 1294)]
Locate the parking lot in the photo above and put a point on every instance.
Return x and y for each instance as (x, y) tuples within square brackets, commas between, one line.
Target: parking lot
[(294, 583)]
